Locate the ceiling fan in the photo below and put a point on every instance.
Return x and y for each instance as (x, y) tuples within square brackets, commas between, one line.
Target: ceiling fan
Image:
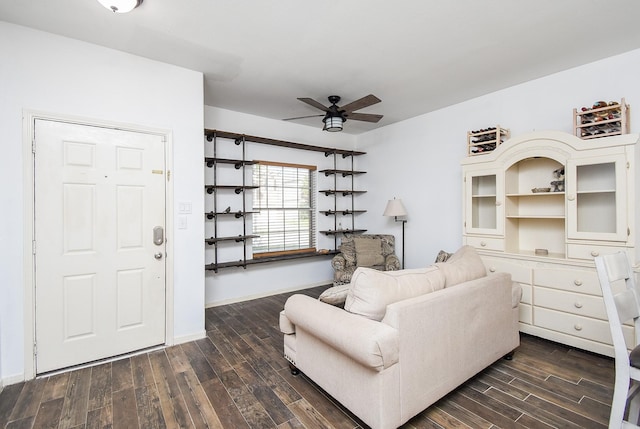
[(335, 115)]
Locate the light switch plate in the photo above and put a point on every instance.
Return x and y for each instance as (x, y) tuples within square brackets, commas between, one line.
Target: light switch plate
[(184, 207)]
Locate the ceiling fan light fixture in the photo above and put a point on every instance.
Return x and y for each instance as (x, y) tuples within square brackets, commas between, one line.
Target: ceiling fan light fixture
[(121, 6), (333, 124)]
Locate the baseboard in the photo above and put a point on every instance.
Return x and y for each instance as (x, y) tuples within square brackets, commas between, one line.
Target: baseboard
[(8, 381), (191, 337), (263, 295)]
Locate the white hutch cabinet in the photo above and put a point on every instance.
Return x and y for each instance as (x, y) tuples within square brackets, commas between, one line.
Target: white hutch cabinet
[(540, 207)]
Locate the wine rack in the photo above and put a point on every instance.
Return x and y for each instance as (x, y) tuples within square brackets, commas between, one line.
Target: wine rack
[(486, 140), (601, 120)]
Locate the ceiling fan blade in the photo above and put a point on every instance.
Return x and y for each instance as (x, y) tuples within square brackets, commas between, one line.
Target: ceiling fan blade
[(366, 101), (367, 117), (302, 117), (314, 103)]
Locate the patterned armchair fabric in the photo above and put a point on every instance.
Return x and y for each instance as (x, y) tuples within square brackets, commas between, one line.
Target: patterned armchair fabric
[(364, 250)]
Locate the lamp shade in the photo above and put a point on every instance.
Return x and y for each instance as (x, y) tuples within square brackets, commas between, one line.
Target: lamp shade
[(395, 208), (333, 124), (121, 6)]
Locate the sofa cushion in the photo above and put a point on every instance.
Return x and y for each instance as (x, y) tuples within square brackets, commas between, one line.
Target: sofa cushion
[(335, 295), (371, 290), (462, 266), (368, 251)]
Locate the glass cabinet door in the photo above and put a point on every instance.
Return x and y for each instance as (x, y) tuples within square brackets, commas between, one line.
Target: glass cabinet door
[(596, 198), (484, 209)]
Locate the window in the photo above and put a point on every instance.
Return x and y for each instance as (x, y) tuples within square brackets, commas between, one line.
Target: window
[(285, 202)]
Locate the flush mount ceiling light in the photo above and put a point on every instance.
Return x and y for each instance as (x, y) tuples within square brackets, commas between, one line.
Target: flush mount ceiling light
[(121, 6)]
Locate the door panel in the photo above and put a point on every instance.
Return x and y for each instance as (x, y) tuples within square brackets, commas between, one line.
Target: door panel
[(100, 291)]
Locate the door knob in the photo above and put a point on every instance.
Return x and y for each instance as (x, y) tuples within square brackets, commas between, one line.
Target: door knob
[(158, 255)]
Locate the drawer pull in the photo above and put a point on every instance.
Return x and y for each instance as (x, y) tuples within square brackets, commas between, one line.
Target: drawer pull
[(492, 269), (577, 282), (594, 253), (577, 327), (483, 243), (578, 305), (571, 197), (498, 203)]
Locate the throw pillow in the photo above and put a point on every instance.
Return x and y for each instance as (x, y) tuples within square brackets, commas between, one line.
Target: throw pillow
[(371, 290), (443, 256), (368, 252), (348, 250), (335, 295), (462, 266)]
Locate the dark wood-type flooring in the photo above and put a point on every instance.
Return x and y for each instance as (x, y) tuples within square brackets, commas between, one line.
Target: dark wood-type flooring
[(237, 378)]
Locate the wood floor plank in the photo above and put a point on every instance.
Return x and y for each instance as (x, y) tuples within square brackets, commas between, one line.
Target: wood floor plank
[(101, 387), (310, 417), (250, 408), (29, 400), (225, 347), (48, 416), (276, 409), (178, 359), (216, 360), (285, 392), (547, 417), (121, 374), (149, 409), (25, 423), (198, 362), (442, 419), (100, 418), (74, 409), (142, 372), (8, 398), (597, 391), (56, 387), (564, 413), (465, 416), (173, 406), (125, 413), (226, 410), (313, 395), (202, 413)]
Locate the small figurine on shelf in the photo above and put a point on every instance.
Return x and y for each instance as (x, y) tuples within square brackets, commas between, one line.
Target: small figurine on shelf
[(558, 184)]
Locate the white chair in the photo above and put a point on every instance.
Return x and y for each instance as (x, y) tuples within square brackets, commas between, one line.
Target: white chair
[(622, 306)]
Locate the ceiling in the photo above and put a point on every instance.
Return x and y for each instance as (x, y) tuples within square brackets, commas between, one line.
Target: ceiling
[(258, 56)]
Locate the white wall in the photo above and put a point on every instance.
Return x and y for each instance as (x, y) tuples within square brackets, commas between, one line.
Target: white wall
[(48, 73), (418, 160), (232, 284)]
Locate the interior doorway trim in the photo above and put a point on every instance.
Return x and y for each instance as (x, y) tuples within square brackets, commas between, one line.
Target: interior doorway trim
[(28, 135)]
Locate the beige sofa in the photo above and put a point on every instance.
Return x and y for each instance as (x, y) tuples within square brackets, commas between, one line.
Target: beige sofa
[(404, 338)]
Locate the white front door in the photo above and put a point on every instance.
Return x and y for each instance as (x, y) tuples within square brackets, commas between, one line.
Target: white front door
[(99, 267)]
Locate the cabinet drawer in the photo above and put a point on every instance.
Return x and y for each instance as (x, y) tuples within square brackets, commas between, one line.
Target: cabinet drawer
[(578, 326), (586, 251), (525, 313), (569, 302), (485, 243), (580, 281), (519, 273)]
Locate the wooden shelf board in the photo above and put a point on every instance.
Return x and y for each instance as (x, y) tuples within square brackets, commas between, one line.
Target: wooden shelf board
[(536, 194), (241, 263), (281, 143), (535, 217), (343, 231)]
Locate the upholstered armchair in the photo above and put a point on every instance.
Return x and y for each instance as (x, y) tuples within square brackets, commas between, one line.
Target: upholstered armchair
[(364, 250)]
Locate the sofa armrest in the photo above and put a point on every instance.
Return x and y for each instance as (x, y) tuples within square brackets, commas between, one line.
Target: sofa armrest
[(368, 342), (392, 263)]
